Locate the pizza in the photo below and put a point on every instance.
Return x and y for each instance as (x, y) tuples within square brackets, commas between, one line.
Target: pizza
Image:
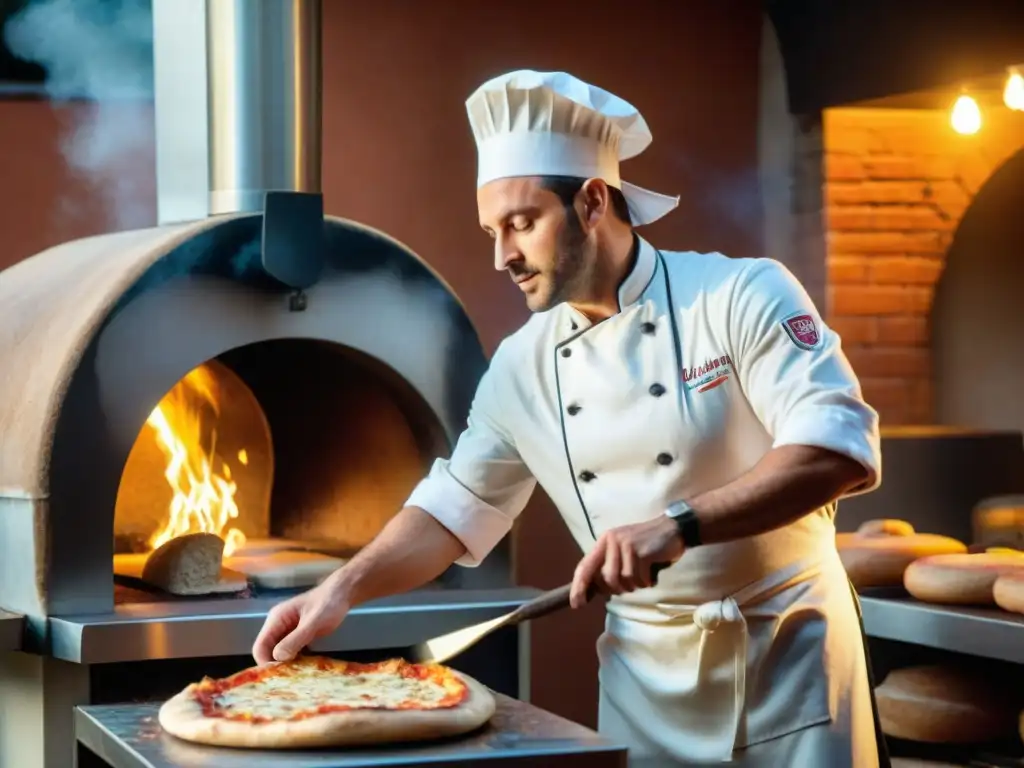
[(315, 701)]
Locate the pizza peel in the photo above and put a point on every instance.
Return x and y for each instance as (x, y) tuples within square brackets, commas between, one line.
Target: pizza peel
[(442, 648)]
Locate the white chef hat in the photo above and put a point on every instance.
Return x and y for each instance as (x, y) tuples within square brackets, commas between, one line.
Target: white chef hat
[(529, 123)]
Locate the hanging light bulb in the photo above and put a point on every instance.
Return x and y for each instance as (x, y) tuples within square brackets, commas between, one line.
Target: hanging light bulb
[(966, 116), (1013, 94)]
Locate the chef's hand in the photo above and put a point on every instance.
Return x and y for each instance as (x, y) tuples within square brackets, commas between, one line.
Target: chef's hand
[(621, 559), (295, 623)]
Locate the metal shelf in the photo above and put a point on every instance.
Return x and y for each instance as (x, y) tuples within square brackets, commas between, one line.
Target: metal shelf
[(199, 628), (11, 627), (990, 633)]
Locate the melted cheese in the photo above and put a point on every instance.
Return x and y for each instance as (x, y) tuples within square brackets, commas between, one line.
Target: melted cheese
[(308, 689)]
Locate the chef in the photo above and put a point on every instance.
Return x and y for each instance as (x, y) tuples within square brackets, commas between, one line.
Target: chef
[(694, 421)]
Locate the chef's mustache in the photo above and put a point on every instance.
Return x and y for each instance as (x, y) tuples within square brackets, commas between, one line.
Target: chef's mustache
[(516, 270)]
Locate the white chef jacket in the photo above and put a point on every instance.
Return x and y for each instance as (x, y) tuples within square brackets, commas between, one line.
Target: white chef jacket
[(710, 363)]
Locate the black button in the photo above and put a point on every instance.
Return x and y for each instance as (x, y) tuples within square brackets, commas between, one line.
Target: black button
[(573, 410), (664, 459), (586, 476), (656, 389), (574, 326), (566, 352), (646, 327)]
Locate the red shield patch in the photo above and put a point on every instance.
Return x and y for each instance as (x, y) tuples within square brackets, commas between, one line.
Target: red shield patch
[(802, 330)]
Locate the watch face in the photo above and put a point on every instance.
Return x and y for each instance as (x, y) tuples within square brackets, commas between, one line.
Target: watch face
[(686, 520), (678, 508)]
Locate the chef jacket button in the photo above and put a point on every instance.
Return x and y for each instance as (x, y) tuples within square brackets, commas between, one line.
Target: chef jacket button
[(647, 328), (586, 476), (573, 409), (574, 326), (656, 389), (566, 352), (664, 459)]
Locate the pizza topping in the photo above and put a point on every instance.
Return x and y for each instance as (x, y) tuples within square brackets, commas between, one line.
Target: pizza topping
[(317, 686)]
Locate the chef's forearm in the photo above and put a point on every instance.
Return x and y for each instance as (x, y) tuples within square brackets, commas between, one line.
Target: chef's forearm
[(788, 483), (411, 550)]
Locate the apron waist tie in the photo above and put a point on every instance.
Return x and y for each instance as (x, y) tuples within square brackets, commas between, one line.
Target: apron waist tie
[(715, 614), (709, 617)]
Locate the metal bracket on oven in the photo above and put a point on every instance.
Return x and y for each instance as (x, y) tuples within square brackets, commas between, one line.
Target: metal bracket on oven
[(297, 301), (293, 238)]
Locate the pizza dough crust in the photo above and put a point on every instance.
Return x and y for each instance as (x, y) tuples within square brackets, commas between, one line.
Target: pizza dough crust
[(285, 569), (182, 716), (942, 705), (269, 546), (880, 551), (1008, 592), (962, 579)]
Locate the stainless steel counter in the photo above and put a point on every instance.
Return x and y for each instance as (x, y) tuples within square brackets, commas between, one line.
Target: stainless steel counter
[(990, 633), (205, 628), (11, 627), (128, 736)]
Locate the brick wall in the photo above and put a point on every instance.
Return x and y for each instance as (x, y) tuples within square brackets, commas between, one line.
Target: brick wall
[(897, 184)]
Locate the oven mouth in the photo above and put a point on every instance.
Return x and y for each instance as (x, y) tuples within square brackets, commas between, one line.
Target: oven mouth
[(288, 450)]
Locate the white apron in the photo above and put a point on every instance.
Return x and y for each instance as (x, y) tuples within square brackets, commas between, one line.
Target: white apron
[(742, 648), (768, 674)]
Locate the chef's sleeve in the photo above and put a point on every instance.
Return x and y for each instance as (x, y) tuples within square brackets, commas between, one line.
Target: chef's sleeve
[(794, 372), (479, 491)]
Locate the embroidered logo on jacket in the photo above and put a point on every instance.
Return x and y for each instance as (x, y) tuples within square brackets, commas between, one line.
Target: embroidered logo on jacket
[(802, 330), (712, 373)]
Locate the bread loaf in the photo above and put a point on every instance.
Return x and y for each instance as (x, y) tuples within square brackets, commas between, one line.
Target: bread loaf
[(885, 527), (186, 565), (1008, 591), (962, 579), (880, 551), (943, 705)]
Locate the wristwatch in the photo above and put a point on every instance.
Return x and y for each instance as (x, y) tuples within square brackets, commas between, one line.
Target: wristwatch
[(687, 522)]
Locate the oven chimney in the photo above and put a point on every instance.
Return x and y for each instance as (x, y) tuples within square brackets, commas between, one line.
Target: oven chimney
[(238, 99)]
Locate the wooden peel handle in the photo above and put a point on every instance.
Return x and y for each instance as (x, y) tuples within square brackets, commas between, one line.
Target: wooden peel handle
[(548, 602), (657, 568), (557, 599)]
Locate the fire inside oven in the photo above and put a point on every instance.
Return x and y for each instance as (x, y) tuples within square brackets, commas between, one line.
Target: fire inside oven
[(294, 453)]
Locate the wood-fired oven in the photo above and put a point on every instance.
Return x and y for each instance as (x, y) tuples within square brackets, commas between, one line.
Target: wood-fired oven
[(250, 368)]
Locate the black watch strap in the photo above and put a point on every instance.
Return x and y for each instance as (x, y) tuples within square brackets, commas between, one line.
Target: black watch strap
[(687, 523)]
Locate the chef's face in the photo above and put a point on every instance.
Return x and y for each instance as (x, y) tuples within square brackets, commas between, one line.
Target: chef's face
[(542, 243)]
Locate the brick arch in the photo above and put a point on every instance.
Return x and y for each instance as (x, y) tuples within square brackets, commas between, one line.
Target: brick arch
[(977, 314), (897, 184)]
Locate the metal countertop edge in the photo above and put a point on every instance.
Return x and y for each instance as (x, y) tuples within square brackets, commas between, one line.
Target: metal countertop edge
[(91, 731), (99, 739), (12, 627), (110, 638), (989, 633)]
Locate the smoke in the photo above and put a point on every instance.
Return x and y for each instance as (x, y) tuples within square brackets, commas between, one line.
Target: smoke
[(733, 199), (99, 74)]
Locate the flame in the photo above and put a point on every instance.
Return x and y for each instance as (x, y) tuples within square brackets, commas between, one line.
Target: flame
[(204, 500)]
